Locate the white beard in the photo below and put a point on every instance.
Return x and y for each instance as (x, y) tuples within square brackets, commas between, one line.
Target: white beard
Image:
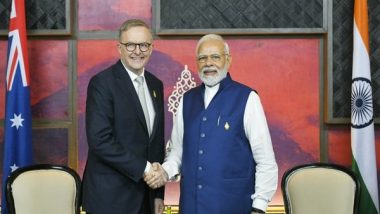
[(213, 80)]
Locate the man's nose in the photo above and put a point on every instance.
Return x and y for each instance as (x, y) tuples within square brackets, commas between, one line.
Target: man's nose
[(209, 61), (137, 49)]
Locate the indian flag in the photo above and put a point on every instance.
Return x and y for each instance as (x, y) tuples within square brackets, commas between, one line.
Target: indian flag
[(362, 128)]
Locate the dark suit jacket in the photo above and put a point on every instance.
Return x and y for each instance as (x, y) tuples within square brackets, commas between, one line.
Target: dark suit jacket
[(119, 144)]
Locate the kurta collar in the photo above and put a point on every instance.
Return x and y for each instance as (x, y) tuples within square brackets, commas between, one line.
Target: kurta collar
[(222, 84)]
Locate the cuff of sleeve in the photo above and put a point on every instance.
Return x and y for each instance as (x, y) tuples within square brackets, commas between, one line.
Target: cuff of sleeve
[(254, 209), (147, 167), (171, 172), (260, 204)]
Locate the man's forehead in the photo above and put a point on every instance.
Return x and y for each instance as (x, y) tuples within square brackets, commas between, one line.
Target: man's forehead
[(211, 46)]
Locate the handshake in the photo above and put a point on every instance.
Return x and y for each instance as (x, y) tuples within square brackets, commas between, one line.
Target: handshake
[(156, 177)]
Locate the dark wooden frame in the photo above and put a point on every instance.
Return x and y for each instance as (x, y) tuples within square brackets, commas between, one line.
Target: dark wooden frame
[(52, 32), (328, 54), (330, 108), (156, 25)]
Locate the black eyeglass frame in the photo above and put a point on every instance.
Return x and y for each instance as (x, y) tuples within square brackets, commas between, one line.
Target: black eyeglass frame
[(132, 46)]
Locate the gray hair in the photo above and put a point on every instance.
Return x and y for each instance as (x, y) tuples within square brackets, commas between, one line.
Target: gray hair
[(132, 23), (213, 37)]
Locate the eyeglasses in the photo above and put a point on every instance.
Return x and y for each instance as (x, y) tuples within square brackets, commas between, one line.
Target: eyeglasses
[(132, 46), (213, 57)]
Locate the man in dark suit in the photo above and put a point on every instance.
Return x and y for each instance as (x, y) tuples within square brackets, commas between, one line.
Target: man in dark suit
[(125, 130)]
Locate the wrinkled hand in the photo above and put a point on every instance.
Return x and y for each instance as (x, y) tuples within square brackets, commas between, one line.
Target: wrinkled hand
[(157, 176), (150, 173)]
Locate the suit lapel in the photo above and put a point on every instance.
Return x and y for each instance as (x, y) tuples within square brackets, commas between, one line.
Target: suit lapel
[(124, 82)]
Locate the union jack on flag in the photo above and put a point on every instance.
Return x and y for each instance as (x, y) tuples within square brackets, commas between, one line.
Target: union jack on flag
[(17, 121)]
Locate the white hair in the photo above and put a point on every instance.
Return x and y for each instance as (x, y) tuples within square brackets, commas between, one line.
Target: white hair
[(213, 37)]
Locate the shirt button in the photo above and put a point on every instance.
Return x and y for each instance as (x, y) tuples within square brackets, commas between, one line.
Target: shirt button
[(200, 168), (203, 135), (204, 118), (200, 152), (200, 186)]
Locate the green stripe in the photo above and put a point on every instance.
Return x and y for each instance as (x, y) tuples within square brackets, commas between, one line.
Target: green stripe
[(366, 205)]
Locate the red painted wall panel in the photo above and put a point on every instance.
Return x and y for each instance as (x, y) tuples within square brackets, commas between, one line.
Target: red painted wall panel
[(109, 14)]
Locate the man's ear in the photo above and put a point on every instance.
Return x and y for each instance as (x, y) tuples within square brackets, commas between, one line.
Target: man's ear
[(229, 60), (119, 48)]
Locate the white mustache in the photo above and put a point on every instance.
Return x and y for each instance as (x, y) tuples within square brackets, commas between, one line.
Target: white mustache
[(209, 69)]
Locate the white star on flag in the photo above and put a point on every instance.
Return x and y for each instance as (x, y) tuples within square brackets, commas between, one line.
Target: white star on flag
[(17, 121), (14, 167)]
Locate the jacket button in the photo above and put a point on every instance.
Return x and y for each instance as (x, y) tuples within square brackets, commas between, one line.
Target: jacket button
[(200, 186), (204, 119)]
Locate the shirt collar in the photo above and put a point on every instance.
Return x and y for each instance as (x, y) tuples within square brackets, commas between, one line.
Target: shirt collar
[(132, 75)]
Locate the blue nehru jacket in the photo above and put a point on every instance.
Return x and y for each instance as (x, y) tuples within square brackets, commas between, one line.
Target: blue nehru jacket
[(217, 165)]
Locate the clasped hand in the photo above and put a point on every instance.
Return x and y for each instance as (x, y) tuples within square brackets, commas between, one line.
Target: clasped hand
[(156, 177)]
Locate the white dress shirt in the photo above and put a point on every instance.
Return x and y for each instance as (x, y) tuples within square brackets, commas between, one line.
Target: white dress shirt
[(256, 131), (149, 103)]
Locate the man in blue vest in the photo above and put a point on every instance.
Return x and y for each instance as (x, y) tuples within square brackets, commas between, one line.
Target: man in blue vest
[(220, 143)]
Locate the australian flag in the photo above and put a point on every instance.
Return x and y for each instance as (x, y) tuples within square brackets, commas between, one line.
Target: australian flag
[(17, 121)]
